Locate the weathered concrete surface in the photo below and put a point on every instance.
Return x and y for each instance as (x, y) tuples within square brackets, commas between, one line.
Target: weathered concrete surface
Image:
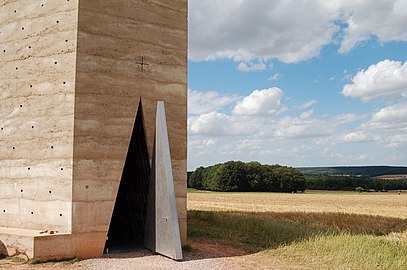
[(37, 86), (70, 82)]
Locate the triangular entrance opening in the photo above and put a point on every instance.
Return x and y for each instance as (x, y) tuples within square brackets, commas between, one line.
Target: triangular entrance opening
[(126, 230)]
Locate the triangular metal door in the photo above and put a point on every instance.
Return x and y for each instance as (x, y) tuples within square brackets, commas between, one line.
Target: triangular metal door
[(162, 233)]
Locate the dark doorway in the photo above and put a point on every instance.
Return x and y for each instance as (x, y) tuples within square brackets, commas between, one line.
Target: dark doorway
[(126, 229)]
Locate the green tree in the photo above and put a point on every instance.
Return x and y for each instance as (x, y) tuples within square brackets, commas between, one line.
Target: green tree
[(196, 178), (232, 176)]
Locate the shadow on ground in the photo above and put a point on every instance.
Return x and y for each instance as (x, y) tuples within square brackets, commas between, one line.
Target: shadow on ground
[(213, 234), (254, 232)]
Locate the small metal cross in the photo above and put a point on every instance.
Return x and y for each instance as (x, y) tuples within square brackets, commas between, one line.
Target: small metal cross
[(142, 63)]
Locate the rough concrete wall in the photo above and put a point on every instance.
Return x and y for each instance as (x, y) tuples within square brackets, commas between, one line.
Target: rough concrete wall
[(113, 38), (37, 83)]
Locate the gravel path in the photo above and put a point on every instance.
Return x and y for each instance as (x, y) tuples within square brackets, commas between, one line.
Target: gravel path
[(204, 256)]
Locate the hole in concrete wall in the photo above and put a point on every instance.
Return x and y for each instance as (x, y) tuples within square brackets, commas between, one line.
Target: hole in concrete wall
[(42, 5), (57, 21), (4, 50), (14, 148), (4, 211), (64, 82), (60, 215), (15, 11), (129, 215), (1, 128), (21, 106), (62, 169), (50, 192), (32, 126), (86, 187), (16, 68), (66, 40), (31, 85), (55, 63), (21, 190), (22, 28), (52, 147), (32, 213)]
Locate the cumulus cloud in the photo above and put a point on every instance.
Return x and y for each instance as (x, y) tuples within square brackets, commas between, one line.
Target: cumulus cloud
[(250, 67), (290, 31), (385, 79), (261, 102), (365, 19), (206, 102), (392, 118), (213, 124), (301, 127), (245, 128)]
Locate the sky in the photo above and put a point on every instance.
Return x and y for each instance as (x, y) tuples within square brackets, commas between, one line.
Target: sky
[(297, 83)]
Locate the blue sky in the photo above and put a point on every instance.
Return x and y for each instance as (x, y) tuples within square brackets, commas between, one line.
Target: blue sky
[(326, 87)]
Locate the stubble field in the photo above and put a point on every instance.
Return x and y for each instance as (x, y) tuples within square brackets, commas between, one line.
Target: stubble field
[(388, 204), (314, 230)]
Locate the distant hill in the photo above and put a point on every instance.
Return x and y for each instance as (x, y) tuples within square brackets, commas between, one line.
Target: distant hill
[(371, 171)]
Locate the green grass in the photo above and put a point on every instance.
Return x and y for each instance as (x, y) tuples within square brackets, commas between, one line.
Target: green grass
[(65, 261), (345, 251), (315, 240)]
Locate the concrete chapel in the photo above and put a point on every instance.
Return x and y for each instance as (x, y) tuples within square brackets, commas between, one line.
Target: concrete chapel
[(93, 115)]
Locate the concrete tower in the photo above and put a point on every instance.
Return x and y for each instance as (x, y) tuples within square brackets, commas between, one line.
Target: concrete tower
[(79, 85)]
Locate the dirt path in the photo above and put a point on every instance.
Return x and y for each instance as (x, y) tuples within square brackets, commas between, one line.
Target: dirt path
[(203, 256)]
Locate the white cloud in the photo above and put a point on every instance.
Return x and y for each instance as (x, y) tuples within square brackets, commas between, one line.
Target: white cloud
[(307, 114), (393, 118), (220, 136), (212, 124), (275, 77), (250, 67), (385, 79), (302, 127), (348, 118), (365, 19), (309, 104), (291, 31), (356, 136), (206, 102), (261, 102)]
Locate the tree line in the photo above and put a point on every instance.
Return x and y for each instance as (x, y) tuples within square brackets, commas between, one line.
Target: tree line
[(254, 176), (250, 176), (352, 182), (353, 170)]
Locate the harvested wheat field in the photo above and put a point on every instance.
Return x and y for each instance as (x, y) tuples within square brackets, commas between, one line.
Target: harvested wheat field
[(314, 230), (388, 204)]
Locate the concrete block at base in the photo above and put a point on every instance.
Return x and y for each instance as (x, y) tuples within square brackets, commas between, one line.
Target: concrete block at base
[(65, 246), (45, 247), (15, 242)]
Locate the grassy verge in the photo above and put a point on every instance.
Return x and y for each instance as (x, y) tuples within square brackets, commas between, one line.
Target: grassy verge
[(345, 251), (65, 261), (315, 240)]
